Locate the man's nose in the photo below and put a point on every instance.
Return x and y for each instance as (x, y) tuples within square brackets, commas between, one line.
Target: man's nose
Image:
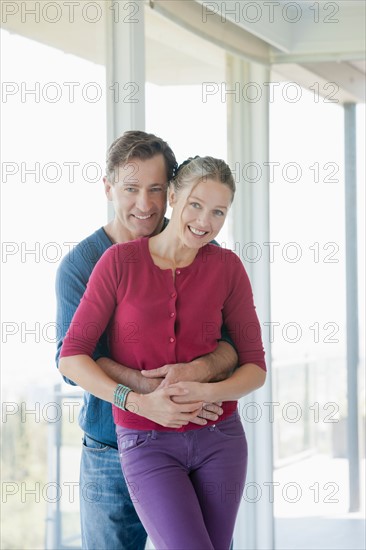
[(143, 202)]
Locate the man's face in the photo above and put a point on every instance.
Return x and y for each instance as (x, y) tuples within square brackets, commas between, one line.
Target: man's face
[(139, 195)]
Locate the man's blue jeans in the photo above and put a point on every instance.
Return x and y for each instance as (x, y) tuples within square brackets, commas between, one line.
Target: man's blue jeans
[(108, 517)]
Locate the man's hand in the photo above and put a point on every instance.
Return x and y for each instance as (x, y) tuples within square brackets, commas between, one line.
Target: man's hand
[(183, 372), (170, 374), (213, 367)]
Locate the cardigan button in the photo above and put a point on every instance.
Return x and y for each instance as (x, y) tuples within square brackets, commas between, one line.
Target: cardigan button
[(173, 295), (171, 340), (172, 314)]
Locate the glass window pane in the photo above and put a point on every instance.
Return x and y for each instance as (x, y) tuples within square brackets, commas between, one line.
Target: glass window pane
[(54, 128)]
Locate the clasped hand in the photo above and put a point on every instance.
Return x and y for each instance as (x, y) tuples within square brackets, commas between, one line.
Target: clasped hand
[(179, 398)]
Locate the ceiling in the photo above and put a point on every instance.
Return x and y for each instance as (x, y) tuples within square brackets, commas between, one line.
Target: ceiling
[(187, 40)]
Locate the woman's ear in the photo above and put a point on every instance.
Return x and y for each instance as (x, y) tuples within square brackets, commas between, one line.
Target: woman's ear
[(171, 196)]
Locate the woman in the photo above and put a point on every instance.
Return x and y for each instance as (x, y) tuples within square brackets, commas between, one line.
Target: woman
[(164, 300)]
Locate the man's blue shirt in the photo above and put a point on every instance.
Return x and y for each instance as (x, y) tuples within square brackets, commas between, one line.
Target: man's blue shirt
[(95, 417)]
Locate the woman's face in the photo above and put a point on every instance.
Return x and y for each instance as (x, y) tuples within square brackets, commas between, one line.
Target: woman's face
[(201, 213)]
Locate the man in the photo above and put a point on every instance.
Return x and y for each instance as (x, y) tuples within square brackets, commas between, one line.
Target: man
[(139, 166)]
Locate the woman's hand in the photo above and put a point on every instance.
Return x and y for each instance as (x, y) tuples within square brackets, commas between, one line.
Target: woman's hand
[(193, 392), (159, 407), (183, 372), (247, 378)]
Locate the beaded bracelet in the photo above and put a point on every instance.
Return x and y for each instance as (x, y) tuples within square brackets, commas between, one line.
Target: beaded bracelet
[(120, 396)]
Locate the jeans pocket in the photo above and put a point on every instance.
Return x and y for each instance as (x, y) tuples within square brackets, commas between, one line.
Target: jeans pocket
[(129, 441), (93, 446), (230, 427)]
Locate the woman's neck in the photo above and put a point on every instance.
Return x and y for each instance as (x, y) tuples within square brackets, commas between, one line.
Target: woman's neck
[(168, 250)]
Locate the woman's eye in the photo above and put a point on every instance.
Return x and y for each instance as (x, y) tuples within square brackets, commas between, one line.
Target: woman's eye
[(219, 213), (195, 205), (130, 189)]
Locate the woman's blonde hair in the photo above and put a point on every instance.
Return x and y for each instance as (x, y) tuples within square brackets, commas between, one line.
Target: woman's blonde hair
[(197, 169)]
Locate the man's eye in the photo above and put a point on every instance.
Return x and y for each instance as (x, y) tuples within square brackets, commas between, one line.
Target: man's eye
[(157, 189), (130, 189)]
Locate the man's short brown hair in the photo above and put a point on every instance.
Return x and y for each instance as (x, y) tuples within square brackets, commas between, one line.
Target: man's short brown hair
[(139, 145)]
